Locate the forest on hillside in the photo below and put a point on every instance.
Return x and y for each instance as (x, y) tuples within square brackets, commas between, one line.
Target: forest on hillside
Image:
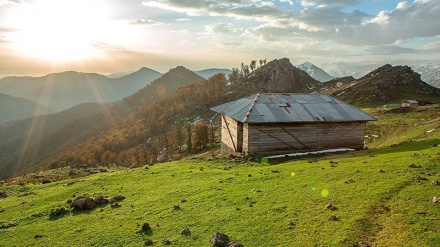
[(158, 130)]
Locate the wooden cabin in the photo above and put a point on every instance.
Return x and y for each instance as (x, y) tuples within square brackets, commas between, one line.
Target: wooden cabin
[(269, 124), (410, 103)]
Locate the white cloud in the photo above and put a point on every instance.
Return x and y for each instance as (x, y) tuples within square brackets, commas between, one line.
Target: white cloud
[(382, 18), (183, 19), (287, 1), (216, 28), (145, 22), (402, 5), (328, 3)]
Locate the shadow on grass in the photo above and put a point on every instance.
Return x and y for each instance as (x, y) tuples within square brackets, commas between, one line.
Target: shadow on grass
[(408, 147), (148, 232), (60, 212), (90, 211)]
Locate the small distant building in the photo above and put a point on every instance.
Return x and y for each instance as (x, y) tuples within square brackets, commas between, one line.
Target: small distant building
[(269, 124), (410, 103)]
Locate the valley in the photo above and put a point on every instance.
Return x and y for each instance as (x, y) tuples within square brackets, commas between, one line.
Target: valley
[(380, 196)]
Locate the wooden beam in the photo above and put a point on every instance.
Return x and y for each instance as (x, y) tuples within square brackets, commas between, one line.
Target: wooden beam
[(292, 136), (318, 141), (229, 131)]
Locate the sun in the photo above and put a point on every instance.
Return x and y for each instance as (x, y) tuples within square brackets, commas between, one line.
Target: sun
[(60, 30)]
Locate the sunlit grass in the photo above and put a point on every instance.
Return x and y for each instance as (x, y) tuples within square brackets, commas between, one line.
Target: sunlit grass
[(251, 202), (382, 197)]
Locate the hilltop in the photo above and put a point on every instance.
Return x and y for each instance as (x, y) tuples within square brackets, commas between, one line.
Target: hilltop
[(63, 90), (387, 84), (315, 72)]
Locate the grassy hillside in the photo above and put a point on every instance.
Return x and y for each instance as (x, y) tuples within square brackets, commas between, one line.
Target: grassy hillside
[(402, 125), (382, 197)]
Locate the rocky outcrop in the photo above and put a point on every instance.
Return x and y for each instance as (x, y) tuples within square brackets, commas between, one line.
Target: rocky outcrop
[(279, 76), (387, 84)]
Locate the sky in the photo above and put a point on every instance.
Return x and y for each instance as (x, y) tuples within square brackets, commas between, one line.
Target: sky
[(107, 36)]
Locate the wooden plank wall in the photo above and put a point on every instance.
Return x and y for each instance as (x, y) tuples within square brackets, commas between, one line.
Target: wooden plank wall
[(234, 129), (265, 139)]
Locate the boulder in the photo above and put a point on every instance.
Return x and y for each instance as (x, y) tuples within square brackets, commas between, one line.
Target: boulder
[(119, 198), (101, 200), (146, 227), (219, 240), (235, 244), (330, 206), (3, 194), (83, 204), (333, 218), (148, 242), (185, 232)]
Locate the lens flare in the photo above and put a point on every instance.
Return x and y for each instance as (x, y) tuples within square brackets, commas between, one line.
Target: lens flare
[(325, 192), (292, 174)]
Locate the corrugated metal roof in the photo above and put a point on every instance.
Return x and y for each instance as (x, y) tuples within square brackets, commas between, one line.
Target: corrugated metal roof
[(287, 108)]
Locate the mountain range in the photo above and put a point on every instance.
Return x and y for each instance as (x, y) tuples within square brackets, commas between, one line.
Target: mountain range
[(60, 91), (315, 72), (387, 84), (27, 144), (143, 123), (428, 69)]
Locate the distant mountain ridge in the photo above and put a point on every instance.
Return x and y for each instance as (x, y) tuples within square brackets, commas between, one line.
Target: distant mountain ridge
[(428, 69), (206, 73), (387, 84), (63, 90), (13, 108), (315, 72)]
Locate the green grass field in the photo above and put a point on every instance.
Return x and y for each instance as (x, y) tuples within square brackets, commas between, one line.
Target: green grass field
[(380, 200)]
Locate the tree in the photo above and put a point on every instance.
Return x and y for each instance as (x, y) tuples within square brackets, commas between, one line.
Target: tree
[(201, 136), (188, 132), (178, 137), (253, 65), (261, 62), (234, 76), (246, 70), (211, 132)]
